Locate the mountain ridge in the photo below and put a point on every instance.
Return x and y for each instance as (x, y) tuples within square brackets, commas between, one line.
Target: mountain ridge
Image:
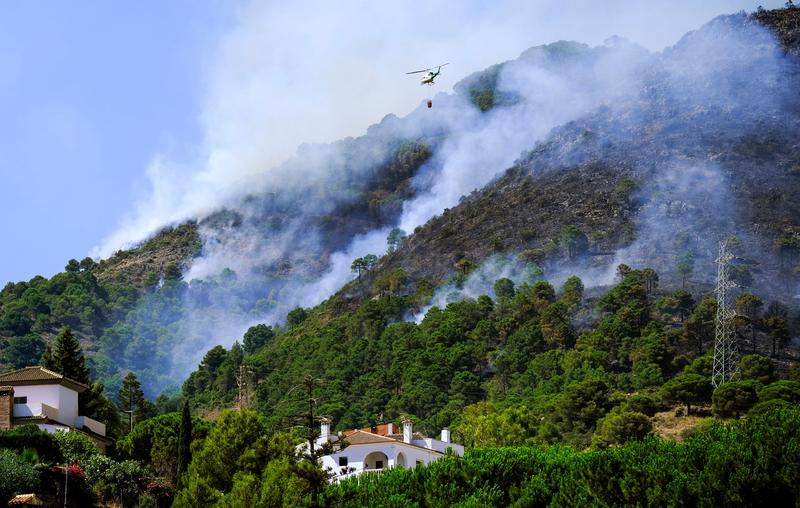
[(595, 172)]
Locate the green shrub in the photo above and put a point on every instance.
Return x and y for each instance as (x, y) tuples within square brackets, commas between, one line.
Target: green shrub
[(753, 462), (785, 390), (756, 367), (732, 399), (31, 437), (16, 476), (619, 427), (767, 406), (114, 480), (643, 403), (75, 447)]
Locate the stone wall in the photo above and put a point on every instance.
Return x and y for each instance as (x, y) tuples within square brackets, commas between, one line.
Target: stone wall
[(6, 407)]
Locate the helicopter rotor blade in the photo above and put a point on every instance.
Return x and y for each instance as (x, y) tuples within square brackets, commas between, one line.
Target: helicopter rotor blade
[(429, 68)]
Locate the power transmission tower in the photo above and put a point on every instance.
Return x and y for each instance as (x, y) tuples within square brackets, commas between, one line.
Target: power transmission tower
[(244, 382), (726, 349)]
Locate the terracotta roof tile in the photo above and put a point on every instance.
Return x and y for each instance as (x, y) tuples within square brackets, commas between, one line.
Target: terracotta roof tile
[(39, 375), (26, 500), (360, 437), (381, 429)]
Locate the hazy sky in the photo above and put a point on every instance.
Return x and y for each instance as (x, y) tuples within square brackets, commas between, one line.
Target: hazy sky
[(118, 117)]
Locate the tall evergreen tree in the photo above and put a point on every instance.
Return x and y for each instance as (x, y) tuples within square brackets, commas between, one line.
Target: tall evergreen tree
[(131, 399), (95, 404), (65, 356), (184, 440)]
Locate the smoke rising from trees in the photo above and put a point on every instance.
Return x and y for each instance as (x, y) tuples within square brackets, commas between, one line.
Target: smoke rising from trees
[(268, 219)]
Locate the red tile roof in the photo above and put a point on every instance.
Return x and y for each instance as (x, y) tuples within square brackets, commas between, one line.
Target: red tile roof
[(39, 376), (381, 430), (26, 500), (357, 437)]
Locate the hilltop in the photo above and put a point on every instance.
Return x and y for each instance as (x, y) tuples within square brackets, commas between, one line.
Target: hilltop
[(655, 178), (652, 172), (551, 301)]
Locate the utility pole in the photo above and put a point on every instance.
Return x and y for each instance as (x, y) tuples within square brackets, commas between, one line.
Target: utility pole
[(311, 383), (315, 477), (726, 350), (130, 418)]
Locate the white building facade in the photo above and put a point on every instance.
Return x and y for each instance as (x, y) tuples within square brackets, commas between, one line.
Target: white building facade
[(380, 448), (35, 395)]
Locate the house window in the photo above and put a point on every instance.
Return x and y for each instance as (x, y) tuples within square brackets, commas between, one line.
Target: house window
[(378, 464), (342, 461), (21, 400)]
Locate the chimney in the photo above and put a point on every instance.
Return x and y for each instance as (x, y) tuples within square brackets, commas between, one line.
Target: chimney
[(6, 407), (389, 429), (445, 435), (407, 434), (325, 429)]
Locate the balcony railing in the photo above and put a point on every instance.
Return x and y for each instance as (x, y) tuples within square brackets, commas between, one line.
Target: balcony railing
[(357, 472), (35, 409), (84, 422), (38, 410)]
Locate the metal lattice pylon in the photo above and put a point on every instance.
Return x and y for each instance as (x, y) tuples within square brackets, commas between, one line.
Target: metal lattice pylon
[(726, 349), (244, 378)]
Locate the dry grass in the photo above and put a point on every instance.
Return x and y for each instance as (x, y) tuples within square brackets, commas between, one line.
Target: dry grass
[(674, 424), (211, 414)]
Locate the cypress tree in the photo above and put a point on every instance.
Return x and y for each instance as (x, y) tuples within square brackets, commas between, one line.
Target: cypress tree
[(184, 440), (65, 356)]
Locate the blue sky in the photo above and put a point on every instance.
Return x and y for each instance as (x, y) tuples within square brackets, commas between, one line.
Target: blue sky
[(108, 109), (88, 92)]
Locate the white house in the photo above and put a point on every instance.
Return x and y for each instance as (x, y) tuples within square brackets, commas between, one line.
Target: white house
[(35, 395), (384, 446)]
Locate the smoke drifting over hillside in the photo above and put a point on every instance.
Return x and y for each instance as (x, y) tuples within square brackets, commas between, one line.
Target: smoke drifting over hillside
[(681, 125), (281, 231), (289, 74), (548, 87)]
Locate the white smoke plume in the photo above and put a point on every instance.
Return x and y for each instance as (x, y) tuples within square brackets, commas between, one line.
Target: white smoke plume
[(288, 75), (687, 206)]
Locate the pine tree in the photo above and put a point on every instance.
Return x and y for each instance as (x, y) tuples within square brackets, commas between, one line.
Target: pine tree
[(131, 399), (65, 356), (95, 404), (184, 440)]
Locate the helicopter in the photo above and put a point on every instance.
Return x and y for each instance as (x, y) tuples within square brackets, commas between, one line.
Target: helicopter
[(428, 78)]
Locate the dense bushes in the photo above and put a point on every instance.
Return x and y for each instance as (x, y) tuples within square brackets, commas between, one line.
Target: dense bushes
[(30, 437), (240, 463), (754, 462), (16, 475), (536, 365), (35, 461)]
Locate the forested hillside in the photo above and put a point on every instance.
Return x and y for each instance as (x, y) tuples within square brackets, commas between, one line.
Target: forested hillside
[(132, 310), (99, 302), (531, 364), (559, 317), (662, 190), (662, 165)]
